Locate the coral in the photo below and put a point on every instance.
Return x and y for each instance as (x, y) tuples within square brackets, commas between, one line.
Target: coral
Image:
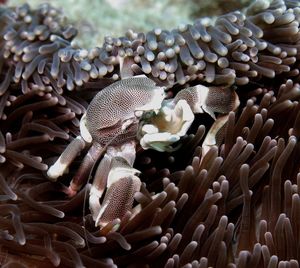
[(235, 206)]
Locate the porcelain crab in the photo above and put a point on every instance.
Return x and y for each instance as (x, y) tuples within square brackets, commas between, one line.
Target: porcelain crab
[(129, 112)]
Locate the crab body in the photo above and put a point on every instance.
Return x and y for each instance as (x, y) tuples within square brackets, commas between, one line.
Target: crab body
[(109, 127), (131, 111), (112, 114)]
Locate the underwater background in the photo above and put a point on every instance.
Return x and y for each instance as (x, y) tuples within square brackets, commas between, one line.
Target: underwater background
[(96, 19)]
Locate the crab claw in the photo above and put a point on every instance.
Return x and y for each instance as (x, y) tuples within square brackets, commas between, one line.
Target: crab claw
[(118, 178), (122, 184), (221, 100), (210, 100), (160, 131)]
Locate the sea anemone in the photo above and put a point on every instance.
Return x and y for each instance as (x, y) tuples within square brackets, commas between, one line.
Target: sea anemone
[(235, 205)]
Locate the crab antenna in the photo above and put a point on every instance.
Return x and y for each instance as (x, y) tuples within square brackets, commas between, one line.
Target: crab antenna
[(125, 66)]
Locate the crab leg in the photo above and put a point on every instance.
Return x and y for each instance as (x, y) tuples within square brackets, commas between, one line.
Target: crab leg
[(71, 152), (66, 158), (82, 174), (215, 134), (99, 185)]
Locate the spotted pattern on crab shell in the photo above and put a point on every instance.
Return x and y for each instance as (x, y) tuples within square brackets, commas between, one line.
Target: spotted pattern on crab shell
[(114, 105)]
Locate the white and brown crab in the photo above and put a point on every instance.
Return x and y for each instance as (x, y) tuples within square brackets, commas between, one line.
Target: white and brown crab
[(129, 112)]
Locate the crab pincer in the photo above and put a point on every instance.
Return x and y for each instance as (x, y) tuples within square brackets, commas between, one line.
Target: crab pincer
[(160, 131)]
